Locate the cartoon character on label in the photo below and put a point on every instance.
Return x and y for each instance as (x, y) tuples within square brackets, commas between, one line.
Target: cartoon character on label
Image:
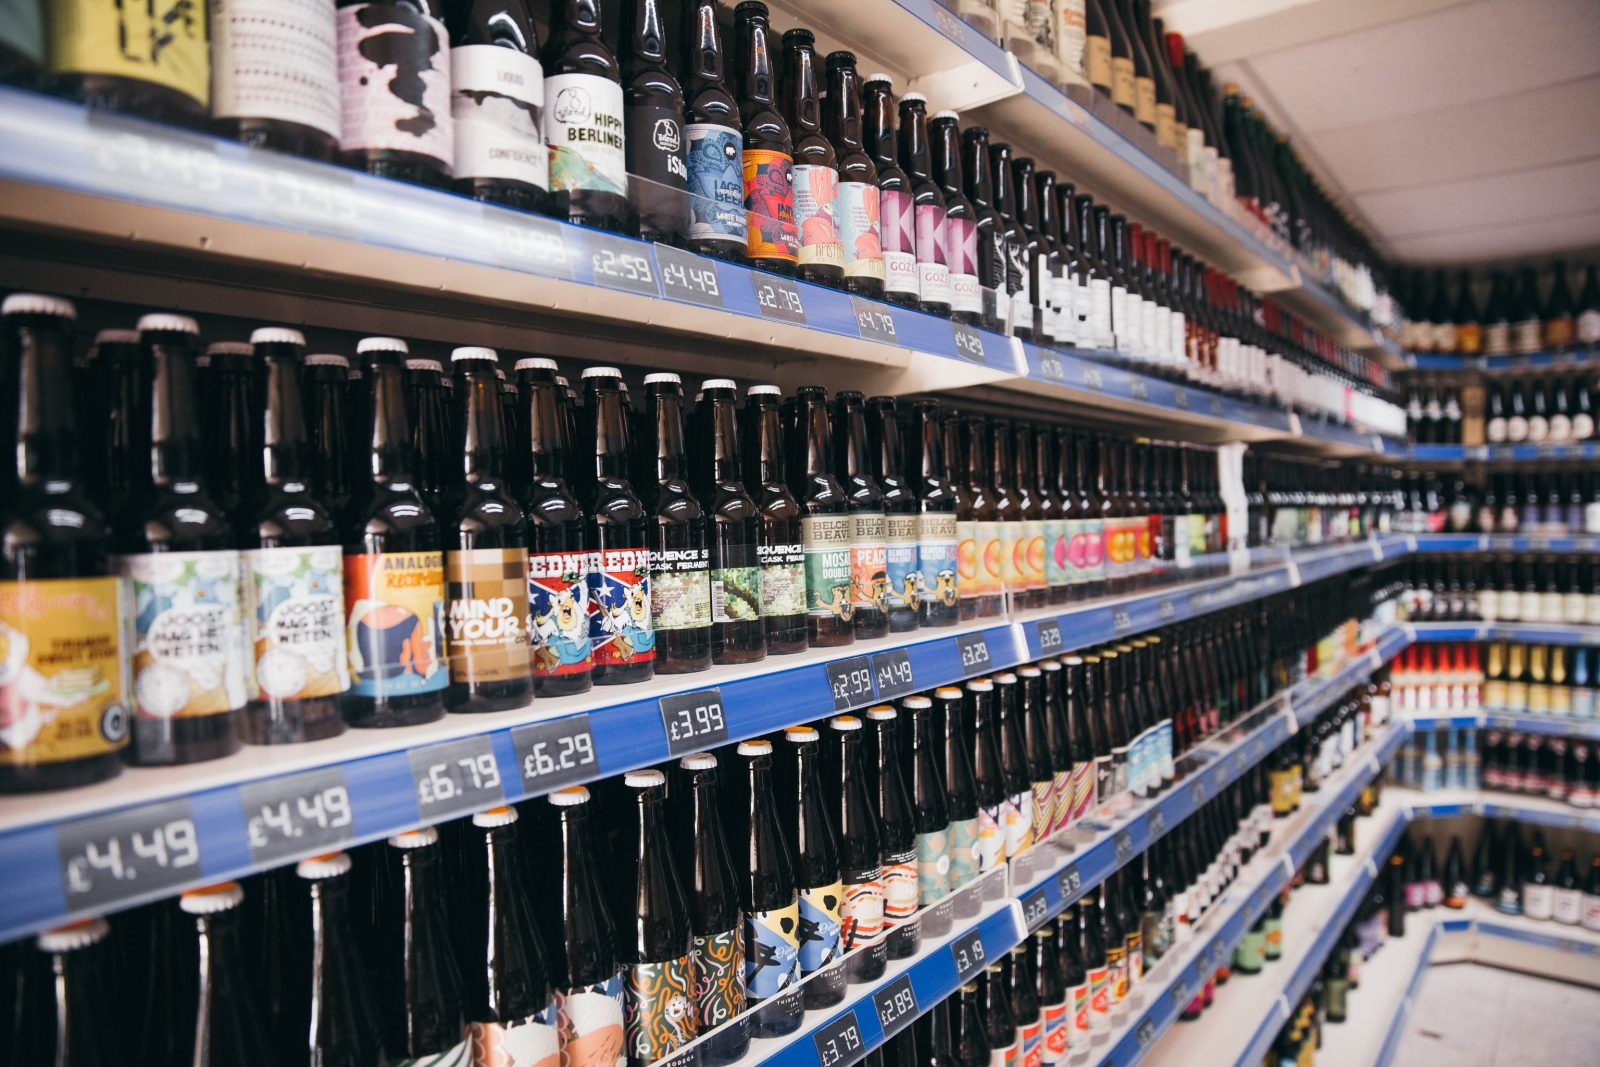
[(390, 644), (622, 608), (945, 587), (559, 628)]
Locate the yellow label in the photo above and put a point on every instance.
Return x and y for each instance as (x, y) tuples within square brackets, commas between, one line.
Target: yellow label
[(159, 41), (1144, 100), (63, 681), (1097, 61), (1122, 89)]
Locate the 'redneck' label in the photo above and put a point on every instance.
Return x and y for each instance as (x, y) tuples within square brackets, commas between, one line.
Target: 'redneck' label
[(583, 125), (659, 1010), (163, 42), (829, 573), (558, 603), (937, 563), (590, 1021), (965, 860), (486, 614), (719, 977), (816, 205), (621, 629), (772, 951), (188, 639), (295, 608), (394, 81), (903, 578), (716, 183), (533, 1042), (395, 622)]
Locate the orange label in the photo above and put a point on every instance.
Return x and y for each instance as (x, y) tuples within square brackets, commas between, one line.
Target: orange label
[(769, 203)]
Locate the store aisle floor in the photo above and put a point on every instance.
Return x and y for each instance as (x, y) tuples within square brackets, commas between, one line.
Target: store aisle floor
[(1468, 1015)]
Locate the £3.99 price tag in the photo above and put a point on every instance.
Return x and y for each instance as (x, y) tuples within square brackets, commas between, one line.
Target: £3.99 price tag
[(694, 721)]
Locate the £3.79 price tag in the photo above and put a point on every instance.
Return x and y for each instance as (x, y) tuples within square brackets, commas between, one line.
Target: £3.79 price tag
[(838, 1042)]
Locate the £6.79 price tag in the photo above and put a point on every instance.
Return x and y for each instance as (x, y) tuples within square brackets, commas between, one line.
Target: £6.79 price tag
[(456, 777), (122, 854)]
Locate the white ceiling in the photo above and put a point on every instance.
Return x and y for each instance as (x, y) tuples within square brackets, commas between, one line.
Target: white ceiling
[(1456, 130)]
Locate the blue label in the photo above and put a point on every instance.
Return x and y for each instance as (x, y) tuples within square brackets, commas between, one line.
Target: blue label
[(772, 951), (900, 561), (819, 926), (936, 557), (716, 183)]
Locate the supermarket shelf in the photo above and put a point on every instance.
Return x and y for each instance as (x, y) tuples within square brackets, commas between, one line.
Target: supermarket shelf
[(1348, 440), (1507, 543), (1532, 632), (1502, 453), (1550, 725), (1440, 361), (1529, 810), (1314, 695), (1327, 310), (1377, 1011)]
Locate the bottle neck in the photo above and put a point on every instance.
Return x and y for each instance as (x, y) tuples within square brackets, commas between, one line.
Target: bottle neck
[(725, 459), (671, 459), (844, 108), (768, 432), (610, 431), (819, 452), (390, 446), (802, 108), (975, 169), (756, 68), (175, 448), (878, 114), (47, 440), (483, 425), (703, 63), (915, 157), (284, 445), (648, 36)]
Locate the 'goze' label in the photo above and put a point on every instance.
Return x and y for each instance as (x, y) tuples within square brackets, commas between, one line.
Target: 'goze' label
[(188, 634), (395, 622), (294, 603), (486, 617), (659, 1011)]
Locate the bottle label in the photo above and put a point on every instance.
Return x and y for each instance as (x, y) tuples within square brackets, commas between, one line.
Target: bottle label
[(1084, 778), (771, 232), (1558, 332), (63, 677), (396, 622), (394, 81), (899, 242), (991, 846), (188, 634), (899, 886), (486, 617), (1017, 286), (992, 553), (961, 256), (772, 951), (1086, 550), (1144, 100), (1097, 60), (276, 59), (294, 601), (1123, 92), (22, 28), (1061, 801), (868, 583), (1538, 901), (903, 578), (967, 558), (933, 866), (680, 589), (451, 1057), (1469, 338), (936, 558), (1497, 338), (783, 579), (590, 1021), (816, 199), (828, 566), (736, 591), (1587, 328), (965, 860), (1100, 998), (861, 914), (1078, 1008), (1057, 570), (163, 42), (1056, 1028), (1117, 963), (533, 1042), (1031, 559), (660, 1013), (621, 617), (933, 272), (716, 183), (653, 143), (1526, 337), (1100, 312), (1031, 1051), (719, 977), (1043, 810), (1004, 1057), (820, 930), (583, 126), (497, 103), (1013, 555), (860, 232), (1016, 813)]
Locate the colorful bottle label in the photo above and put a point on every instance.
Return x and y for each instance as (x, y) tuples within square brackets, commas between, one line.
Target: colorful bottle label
[(816, 199), (736, 591), (783, 579), (869, 584), (967, 558), (933, 866), (680, 589), (558, 601), (820, 929), (933, 272), (860, 230), (394, 81), (277, 59), (900, 566), (961, 256), (660, 1013), (1057, 566), (965, 860), (1061, 801), (1078, 1009), (991, 846), (163, 42), (583, 125), (861, 914), (828, 566), (395, 622), (1032, 559), (621, 627), (454, 1056), (719, 977), (486, 615), (716, 183), (1084, 776), (899, 886), (937, 561), (772, 951), (188, 638), (590, 1023), (899, 242), (1014, 555), (295, 606), (533, 1042), (769, 199), (993, 554), (497, 104), (1031, 1050), (1016, 814), (1043, 809)]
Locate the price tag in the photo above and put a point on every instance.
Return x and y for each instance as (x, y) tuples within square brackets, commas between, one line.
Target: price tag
[(1145, 1034), (1258, 747), (949, 25), (694, 721), (839, 1042), (1049, 631), (1197, 792), (456, 777), (1124, 847), (621, 263), (1181, 994), (1219, 779), (1180, 398), (1121, 620), (106, 858), (1158, 822), (688, 277), (967, 952), (974, 652), (851, 682), (1215, 405), (286, 192), (1092, 379), (1050, 367), (173, 167), (891, 671), (1550, 451), (968, 341), (1166, 610), (875, 321), (555, 754), (1240, 762), (778, 298), (1035, 910), (298, 815), (526, 242), (1070, 883), (1138, 389), (897, 1005)]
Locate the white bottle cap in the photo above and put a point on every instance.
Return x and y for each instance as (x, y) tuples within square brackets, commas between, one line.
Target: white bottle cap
[(38, 304), (211, 899), (381, 344), (570, 797), (327, 359), (662, 376), (168, 323), (277, 335), (600, 372), (501, 816), (535, 363), (473, 352)]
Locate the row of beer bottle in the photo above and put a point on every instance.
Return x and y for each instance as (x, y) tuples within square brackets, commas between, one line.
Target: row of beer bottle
[(1504, 588)]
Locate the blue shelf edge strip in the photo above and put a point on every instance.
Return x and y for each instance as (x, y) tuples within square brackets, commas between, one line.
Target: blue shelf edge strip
[(1503, 453), (1507, 543)]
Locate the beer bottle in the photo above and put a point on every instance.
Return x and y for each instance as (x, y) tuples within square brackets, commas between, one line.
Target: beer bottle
[(961, 788), (1125, 887), (486, 561), (1030, 545), (230, 425), (419, 992), (988, 549), (652, 108), (182, 569), (1086, 535), (1097, 709), (869, 582), (780, 546), (127, 61), (1035, 256), (713, 137), (393, 568), (826, 523), (931, 485), (1017, 256), (117, 447), (433, 465), (617, 537), (773, 238), (1053, 509), (903, 576), (771, 905), (326, 385), (960, 219), (59, 594), (930, 812), (969, 1033), (816, 853), (927, 205), (1012, 531), (1058, 735), (587, 974), (583, 120), (659, 958), (332, 1018), (860, 852), (993, 258), (715, 915), (395, 125), (900, 284), (999, 1018), (1102, 919), (505, 975), (497, 104), (1035, 726), (734, 528), (680, 574), (65, 1026), (966, 545), (898, 832), (227, 1027), (1024, 990), (1051, 994), (934, 1036), (1074, 975), (857, 209), (1017, 813), (988, 773), (816, 168), (275, 81), (1050, 266)]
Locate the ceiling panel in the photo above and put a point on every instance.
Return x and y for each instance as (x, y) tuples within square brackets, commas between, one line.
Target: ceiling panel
[(1567, 188), (1575, 234)]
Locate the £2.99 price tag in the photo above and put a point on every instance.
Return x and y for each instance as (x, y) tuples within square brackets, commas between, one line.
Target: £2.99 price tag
[(851, 682)]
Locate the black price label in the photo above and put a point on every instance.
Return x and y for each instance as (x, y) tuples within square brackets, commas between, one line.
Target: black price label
[(897, 1005), (1166, 610), (1121, 620), (555, 754), (839, 1042), (1219, 779), (778, 298), (851, 682), (111, 857), (1070, 882), (875, 321), (1180, 399), (694, 721), (527, 242), (456, 777), (1145, 1034), (169, 167), (300, 814), (621, 263), (1051, 368), (1092, 379), (1197, 792), (1158, 823), (1049, 636), (688, 277), (974, 651), (968, 341), (1138, 389), (1035, 910), (1124, 847), (891, 672), (967, 952), (1181, 994)]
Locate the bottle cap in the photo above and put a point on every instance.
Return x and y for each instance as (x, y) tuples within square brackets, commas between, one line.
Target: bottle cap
[(763, 390), (879, 77), (981, 685), (917, 701), (505, 386), (38, 304), (328, 865), (662, 376), (491, 817), (421, 837), (381, 344), (569, 797), (755, 748), (845, 723), (718, 383), (425, 364), (327, 359), (72, 936), (1050, 664), (882, 713), (1006, 678), (208, 900), (946, 115), (700, 761), (281, 335), (913, 98), (473, 352), (643, 779), (600, 372), (1028, 671), (116, 337), (225, 348), (800, 733), (166, 322), (948, 692), (535, 363)]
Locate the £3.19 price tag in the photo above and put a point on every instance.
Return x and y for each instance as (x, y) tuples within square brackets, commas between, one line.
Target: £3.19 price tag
[(968, 953)]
